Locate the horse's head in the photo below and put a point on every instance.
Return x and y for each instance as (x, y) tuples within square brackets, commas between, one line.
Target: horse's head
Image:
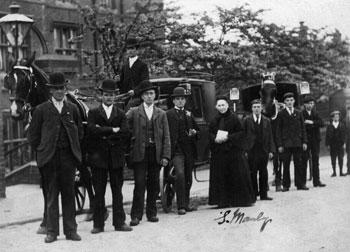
[(19, 81), (268, 93)]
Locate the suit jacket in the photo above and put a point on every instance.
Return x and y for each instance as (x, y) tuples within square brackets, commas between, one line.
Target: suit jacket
[(44, 130), (137, 123), (130, 78), (313, 130), (331, 139), (250, 132), (173, 120), (102, 140), (290, 129)]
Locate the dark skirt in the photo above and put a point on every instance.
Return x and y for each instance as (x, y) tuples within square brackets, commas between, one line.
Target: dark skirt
[(230, 183)]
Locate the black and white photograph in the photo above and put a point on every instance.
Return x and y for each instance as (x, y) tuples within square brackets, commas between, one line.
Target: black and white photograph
[(175, 125)]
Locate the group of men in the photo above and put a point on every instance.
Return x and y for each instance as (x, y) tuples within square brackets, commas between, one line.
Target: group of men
[(151, 137), (56, 131), (294, 134)]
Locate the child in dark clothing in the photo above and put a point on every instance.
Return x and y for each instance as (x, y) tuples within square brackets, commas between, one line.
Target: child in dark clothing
[(335, 142)]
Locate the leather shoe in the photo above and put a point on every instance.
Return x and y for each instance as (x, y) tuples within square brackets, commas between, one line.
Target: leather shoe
[(96, 230), (50, 238), (190, 209), (333, 174), (181, 211), (41, 230), (278, 188), (304, 188), (320, 185), (134, 222), (266, 198), (123, 228), (73, 237), (153, 219), (342, 174), (285, 189)]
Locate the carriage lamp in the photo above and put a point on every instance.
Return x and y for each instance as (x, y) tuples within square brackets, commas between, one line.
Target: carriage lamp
[(15, 26)]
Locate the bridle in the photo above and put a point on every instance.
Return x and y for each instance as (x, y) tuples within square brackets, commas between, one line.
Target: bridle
[(28, 76)]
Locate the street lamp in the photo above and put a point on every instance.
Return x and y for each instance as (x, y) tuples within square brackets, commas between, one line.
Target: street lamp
[(15, 27)]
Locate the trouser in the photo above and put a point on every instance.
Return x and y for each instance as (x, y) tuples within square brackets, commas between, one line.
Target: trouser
[(257, 160), (337, 151), (348, 156), (146, 174), (59, 176), (277, 167), (183, 164), (313, 149), (44, 191), (299, 172), (99, 180)]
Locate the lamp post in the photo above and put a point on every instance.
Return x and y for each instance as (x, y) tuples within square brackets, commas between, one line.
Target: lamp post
[(15, 26)]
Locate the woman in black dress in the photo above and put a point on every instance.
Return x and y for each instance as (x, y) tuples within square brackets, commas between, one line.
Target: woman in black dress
[(230, 184)]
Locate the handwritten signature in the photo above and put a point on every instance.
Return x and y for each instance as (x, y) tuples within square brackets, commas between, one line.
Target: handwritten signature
[(239, 218)]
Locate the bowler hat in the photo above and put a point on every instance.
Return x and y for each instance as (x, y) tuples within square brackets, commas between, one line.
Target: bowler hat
[(108, 86), (308, 99), (132, 43), (57, 80), (335, 112), (288, 95), (179, 92), (145, 85)]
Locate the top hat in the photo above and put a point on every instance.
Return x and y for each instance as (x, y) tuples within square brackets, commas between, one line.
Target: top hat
[(179, 92), (308, 99), (335, 112), (288, 95), (144, 86), (57, 80), (108, 86), (132, 43)]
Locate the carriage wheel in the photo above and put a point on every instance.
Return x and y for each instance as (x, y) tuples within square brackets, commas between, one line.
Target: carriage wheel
[(80, 194), (167, 187)]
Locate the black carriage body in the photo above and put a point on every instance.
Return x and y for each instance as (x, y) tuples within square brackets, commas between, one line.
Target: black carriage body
[(201, 103), (253, 92)]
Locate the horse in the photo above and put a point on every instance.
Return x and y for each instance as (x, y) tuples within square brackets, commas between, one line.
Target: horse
[(27, 86)]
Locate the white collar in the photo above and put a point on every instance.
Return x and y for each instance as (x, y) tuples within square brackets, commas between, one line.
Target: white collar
[(179, 108), (57, 102), (290, 111), (335, 124), (108, 110), (132, 60)]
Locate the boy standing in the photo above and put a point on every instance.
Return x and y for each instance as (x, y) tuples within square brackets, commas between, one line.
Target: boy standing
[(335, 142)]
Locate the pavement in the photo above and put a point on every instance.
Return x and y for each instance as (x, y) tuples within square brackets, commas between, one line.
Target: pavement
[(24, 202)]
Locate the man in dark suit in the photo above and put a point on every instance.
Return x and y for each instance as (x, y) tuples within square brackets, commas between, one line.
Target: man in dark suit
[(183, 135), (55, 133), (149, 150), (108, 131), (313, 123), (291, 140), (134, 70), (260, 148)]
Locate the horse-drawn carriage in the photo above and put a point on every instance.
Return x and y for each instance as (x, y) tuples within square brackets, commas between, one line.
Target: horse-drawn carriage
[(27, 84)]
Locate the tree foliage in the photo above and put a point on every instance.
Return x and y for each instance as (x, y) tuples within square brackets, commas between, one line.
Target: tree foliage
[(236, 46)]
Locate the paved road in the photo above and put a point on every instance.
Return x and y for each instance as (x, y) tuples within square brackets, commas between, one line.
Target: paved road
[(314, 220)]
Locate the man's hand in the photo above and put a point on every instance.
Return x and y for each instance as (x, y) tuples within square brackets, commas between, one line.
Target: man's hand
[(164, 162), (131, 92), (116, 129), (304, 147), (280, 149), (309, 122)]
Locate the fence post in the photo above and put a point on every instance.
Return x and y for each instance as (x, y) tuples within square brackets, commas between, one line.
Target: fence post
[(2, 158)]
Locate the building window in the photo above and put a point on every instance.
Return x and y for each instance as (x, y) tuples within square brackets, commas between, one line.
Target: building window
[(63, 38)]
